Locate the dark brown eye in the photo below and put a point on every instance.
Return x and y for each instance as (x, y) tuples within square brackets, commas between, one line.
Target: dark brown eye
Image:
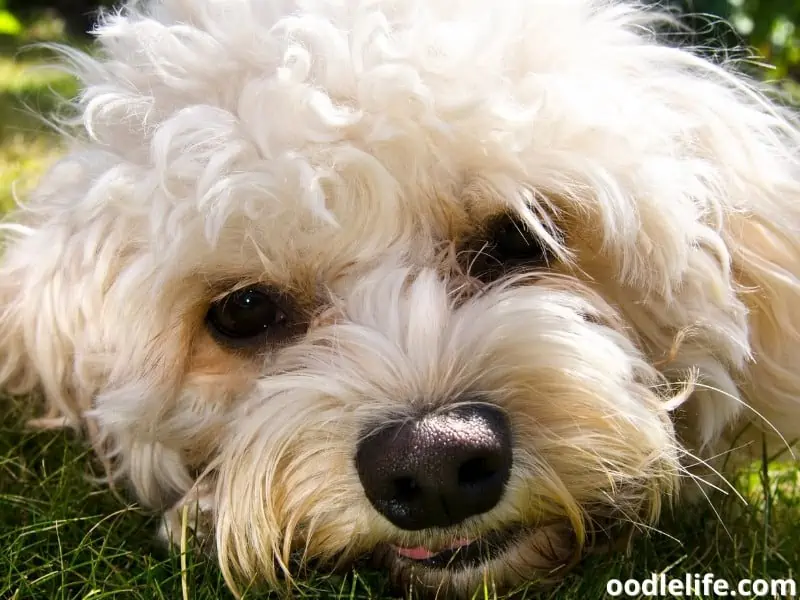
[(506, 246), (511, 243), (248, 317)]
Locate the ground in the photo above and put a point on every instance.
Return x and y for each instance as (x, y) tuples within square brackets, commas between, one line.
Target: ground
[(63, 537)]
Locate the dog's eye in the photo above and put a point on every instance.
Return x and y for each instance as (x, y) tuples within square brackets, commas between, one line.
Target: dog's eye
[(247, 317), (512, 243), (507, 245)]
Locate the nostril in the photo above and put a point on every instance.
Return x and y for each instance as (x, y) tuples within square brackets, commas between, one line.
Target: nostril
[(406, 489), (476, 471)]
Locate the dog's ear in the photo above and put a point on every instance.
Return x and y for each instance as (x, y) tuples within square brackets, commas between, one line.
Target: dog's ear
[(38, 322), (17, 372), (738, 155), (57, 340), (54, 266), (765, 251), (757, 155)]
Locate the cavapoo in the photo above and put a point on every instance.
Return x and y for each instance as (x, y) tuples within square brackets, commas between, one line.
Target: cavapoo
[(461, 286)]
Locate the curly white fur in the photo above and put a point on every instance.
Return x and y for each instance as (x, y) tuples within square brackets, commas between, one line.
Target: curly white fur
[(335, 149)]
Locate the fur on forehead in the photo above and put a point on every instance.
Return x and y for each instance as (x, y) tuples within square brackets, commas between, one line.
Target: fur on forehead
[(355, 125)]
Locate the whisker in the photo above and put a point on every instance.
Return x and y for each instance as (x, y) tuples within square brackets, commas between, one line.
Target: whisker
[(697, 479), (756, 412), (712, 388), (727, 452), (716, 512), (651, 529), (713, 470)]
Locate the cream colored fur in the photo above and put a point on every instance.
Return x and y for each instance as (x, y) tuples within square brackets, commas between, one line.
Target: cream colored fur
[(341, 151)]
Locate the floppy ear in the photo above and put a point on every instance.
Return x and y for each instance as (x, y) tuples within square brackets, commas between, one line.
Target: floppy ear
[(55, 266), (741, 151), (17, 373), (765, 248), (56, 337), (760, 175), (38, 323)]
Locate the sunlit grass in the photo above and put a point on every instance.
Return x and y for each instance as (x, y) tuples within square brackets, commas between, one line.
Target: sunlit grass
[(28, 90)]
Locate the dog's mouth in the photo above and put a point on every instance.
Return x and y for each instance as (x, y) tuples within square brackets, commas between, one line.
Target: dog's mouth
[(462, 553), (510, 554)]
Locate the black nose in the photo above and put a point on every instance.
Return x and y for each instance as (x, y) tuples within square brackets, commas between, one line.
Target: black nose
[(437, 470)]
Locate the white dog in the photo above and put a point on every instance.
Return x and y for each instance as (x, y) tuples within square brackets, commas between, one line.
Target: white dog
[(453, 283)]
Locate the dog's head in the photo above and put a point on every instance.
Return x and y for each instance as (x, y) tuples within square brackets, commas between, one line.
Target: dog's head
[(423, 280)]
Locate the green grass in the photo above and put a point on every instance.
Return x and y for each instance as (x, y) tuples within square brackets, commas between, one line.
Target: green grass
[(27, 89), (63, 537)]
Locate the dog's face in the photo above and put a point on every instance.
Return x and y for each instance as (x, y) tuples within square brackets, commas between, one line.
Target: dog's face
[(471, 410), (403, 279)]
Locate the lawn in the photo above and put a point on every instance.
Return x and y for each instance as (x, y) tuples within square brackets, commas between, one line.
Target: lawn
[(63, 537)]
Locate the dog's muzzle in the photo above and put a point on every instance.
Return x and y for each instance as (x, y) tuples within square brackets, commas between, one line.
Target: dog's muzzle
[(439, 469)]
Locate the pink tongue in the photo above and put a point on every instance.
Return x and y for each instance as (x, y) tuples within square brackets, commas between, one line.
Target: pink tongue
[(422, 553)]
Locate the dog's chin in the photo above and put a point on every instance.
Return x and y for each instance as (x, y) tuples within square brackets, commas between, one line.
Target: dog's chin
[(503, 557)]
